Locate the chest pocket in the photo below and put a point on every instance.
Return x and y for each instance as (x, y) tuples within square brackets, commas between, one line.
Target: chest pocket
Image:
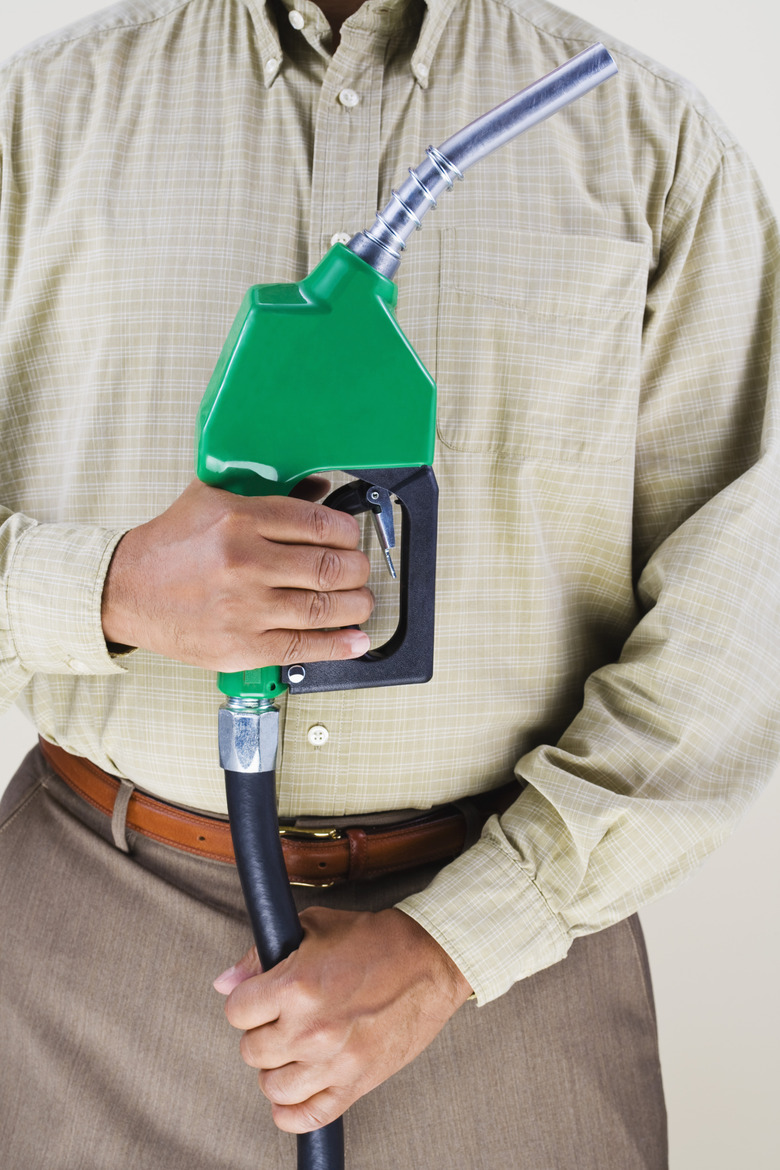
[(538, 344)]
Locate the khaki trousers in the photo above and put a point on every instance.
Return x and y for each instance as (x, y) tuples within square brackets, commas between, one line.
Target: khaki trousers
[(116, 1054)]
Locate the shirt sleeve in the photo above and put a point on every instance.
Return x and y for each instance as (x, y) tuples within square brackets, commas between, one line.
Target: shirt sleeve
[(676, 738), (51, 585)]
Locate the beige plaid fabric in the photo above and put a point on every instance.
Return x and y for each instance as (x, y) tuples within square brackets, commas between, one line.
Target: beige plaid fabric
[(595, 302)]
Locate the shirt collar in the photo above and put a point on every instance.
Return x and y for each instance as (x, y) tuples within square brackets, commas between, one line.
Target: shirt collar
[(380, 16)]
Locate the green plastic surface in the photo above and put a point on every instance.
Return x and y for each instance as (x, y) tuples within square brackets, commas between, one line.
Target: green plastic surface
[(313, 377)]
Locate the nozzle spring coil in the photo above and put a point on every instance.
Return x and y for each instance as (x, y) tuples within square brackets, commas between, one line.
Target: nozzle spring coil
[(443, 166)]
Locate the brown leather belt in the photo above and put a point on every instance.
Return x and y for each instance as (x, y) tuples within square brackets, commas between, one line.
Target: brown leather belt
[(319, 856)]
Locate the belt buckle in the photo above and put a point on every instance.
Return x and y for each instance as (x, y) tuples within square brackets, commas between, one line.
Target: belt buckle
[(295, 833)]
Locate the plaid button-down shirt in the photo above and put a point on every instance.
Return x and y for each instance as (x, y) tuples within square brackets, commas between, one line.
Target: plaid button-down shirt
[(596, 304)]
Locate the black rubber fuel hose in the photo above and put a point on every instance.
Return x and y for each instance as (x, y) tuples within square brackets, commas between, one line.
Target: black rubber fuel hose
[(254, 826)]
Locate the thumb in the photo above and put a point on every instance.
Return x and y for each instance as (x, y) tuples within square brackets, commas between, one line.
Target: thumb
[(245, 968)]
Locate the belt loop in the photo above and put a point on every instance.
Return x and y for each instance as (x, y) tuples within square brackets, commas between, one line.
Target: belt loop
[(357, 854), (474, 821), (119, 815)]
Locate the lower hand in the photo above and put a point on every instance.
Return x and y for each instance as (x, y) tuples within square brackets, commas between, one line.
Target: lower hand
[(360, 998)]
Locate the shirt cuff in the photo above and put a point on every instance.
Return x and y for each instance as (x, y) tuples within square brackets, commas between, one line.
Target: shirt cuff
[(487, 913), (54, 590)]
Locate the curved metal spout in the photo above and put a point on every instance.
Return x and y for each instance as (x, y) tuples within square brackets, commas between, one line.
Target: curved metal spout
[(381, 245)]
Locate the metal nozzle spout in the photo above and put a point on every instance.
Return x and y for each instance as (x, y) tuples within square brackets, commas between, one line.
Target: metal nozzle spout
[(381, 245)]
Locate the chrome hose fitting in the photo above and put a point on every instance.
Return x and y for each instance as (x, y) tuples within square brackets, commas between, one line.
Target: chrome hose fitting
[(248, 732)]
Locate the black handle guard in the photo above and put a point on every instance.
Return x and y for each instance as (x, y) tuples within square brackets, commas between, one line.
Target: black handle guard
[(407, 656)]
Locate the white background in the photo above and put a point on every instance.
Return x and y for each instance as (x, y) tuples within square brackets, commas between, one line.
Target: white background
[(715, 943)]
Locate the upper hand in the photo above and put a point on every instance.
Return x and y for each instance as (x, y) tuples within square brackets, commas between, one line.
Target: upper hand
[(360, 998), (230, 582)]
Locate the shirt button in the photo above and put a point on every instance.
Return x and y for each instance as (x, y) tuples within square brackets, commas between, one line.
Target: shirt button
[(340, 238), (348, 98), (317, 735), (296, 20), (271, 64)]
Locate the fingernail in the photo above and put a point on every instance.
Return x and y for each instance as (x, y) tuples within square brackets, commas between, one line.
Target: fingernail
[(359, 642), (226, 977)]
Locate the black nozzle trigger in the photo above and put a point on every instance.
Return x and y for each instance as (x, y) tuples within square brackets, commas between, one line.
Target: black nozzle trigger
[(357, 497)]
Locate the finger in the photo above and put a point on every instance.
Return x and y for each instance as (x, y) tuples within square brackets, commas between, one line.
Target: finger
[(293, 1083), (251, 1004), (268, 1049), (314, 487), (319, 1110), (304, 1049), (285, 647), (302, 566), (292, 521), (247, 966), (311, 609)]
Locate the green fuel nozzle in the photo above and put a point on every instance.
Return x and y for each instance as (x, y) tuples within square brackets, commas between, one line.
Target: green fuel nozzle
[(303, 386), (307, 372)]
